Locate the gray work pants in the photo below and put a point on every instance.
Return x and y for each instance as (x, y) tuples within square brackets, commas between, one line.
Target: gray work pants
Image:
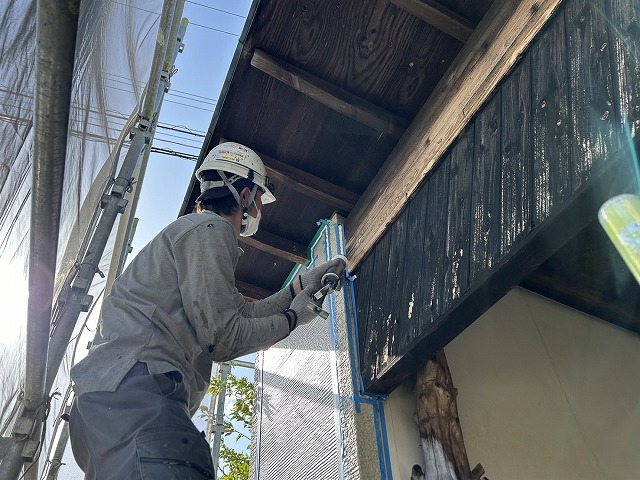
[(141, 431)]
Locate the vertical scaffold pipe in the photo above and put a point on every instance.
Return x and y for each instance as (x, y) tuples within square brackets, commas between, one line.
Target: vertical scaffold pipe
[(56, 32)]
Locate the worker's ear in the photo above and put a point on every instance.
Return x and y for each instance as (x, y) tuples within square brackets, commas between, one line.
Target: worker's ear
[(245, 195)]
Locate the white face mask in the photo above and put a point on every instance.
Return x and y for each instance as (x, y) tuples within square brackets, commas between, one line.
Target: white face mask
[(250, 224)]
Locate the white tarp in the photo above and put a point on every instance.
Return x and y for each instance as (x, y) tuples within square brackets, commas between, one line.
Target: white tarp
[(114, 51)]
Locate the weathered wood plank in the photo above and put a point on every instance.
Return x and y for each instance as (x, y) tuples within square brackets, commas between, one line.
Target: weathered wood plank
[(624, 34), (280, 247), (562, 225), (551, 132), (438, 16), (363, 288), (413, 282), (378, 301), (397, 252), (485, 217), (494, 47), (378, 278), (456, 274), (591, 89), (435, 244), (516, 156), (330, 95)]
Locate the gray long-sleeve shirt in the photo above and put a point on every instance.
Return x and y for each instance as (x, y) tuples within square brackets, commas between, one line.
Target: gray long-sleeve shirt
[(176, 307)]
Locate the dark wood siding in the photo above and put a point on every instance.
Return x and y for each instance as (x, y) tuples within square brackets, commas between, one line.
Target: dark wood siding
[(526, 175)]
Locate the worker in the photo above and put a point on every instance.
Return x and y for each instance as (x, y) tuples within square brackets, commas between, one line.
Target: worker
[(173, 312)]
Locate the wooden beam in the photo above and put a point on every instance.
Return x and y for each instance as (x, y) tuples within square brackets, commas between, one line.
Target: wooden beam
[(307, 184), (500, 39), (438, 16), (251, 292), (333, 97), (278, 246)]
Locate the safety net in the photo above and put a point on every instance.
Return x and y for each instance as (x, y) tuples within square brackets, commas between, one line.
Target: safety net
[(114, 51)]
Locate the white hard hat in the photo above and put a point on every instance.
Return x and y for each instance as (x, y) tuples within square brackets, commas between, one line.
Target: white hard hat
[(239, 161)]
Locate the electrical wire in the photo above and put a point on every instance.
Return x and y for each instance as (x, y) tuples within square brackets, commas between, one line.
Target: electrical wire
[(216, 9), (173, 153), (190, 23)]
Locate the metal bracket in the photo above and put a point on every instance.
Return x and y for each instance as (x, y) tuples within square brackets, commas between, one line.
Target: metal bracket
[(30, 450), (23, 426)]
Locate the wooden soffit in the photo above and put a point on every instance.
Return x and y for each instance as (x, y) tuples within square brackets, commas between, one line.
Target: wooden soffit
[(491, 51)]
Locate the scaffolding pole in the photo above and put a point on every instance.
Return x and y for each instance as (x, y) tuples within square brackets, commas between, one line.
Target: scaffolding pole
[(55, 47), (56, 32)]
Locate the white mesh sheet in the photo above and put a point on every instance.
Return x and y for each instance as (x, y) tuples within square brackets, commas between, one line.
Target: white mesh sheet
[(298, 435), (114, 50)]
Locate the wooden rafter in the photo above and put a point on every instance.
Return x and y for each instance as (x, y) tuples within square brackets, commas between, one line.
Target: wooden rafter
[(494, 47), (330, 95), (438, 16), (309, 185), (252, 292), (278, 246)]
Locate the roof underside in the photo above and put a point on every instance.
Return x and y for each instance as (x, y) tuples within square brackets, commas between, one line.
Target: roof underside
[(323, 91)]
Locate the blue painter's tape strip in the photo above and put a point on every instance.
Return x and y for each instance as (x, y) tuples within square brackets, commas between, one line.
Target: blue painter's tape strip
[(385, 443)]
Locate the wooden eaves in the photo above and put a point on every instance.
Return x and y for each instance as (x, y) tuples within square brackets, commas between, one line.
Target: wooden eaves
[(490, 52)]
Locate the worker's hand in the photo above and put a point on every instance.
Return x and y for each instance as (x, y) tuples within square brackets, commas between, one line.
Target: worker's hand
[(313, 277), (299, 310)]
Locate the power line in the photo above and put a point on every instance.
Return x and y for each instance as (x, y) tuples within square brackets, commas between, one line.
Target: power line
[(159, 139), (141, 84), (216, 9), (168, 101), (173, 153), (190, 23), (187, 131), (214, 29)]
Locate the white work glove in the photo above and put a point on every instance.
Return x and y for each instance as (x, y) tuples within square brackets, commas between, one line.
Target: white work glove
[(312, 278), (298, 313)]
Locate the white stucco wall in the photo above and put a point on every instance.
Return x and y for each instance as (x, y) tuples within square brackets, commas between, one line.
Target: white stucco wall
[(545, 392)]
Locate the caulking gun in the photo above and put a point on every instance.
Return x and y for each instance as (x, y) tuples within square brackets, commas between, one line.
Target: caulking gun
[(331, 281)]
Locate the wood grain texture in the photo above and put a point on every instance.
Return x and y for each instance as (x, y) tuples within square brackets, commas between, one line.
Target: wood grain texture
[(392, 309), (624, 33), (591, 88), (330, 95), (494, 47), (543, 241), (515, 212), (441, 439), (485, 209), (440, 17), (363, 288), (379, 337), (551, 129), (372, 49), (435, 246), (456, 273), (413, 283)]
